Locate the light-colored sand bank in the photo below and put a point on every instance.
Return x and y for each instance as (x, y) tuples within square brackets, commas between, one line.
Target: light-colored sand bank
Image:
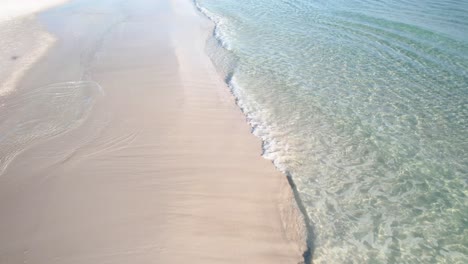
[(14, 8), (22, 40), (22, 43), (164, 168)]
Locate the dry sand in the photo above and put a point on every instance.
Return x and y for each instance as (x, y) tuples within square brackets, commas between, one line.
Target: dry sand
[(163, 167), (23, 41), (14, 8)]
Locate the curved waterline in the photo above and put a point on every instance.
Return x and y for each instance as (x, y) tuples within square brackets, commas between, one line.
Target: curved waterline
[(226, 63)]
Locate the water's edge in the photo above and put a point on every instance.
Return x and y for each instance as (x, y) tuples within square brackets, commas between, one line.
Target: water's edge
[(227, 76)]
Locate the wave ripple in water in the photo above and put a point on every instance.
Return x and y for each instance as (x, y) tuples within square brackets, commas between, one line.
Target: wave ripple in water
[(365, 104), (42, 113)]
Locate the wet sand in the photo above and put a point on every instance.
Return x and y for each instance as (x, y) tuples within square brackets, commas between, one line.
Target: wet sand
[(161, 167)]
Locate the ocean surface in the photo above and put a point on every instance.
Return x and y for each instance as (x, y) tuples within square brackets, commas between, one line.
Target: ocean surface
[(365, 105)]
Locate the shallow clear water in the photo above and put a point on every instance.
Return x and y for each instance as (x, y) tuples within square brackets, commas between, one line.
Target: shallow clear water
[(365, 105), (27, 117)]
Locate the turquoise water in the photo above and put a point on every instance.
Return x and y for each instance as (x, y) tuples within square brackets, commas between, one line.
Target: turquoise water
[(365, 105)]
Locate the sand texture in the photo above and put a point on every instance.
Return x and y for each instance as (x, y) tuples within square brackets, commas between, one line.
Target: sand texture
[(155, 164)]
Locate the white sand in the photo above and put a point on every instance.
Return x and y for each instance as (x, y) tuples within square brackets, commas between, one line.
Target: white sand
[(22, 40), (164, 169), (22, 43), (10, 9)]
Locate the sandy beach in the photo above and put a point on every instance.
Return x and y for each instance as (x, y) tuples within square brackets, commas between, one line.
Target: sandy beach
[(129, 148), (21, 34)]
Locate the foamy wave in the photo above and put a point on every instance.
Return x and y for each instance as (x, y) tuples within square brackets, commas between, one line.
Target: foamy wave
[(272, 149), (219, 23)]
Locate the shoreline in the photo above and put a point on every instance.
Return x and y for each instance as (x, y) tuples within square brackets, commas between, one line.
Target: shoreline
[(133, 140), (309, 236), (300, 218)]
